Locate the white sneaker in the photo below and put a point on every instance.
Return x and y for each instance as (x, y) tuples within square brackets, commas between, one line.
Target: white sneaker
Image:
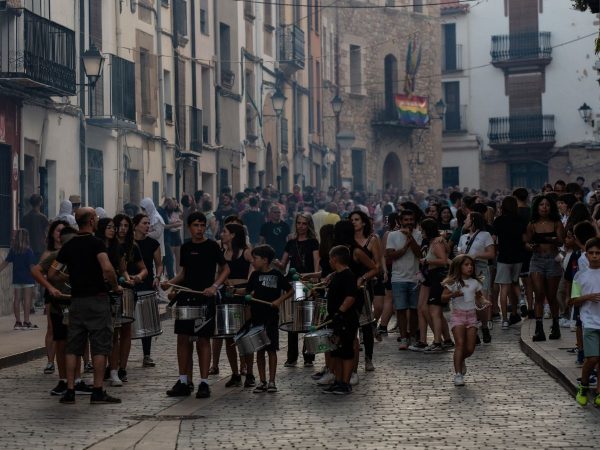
[(505, 324), (459, 380), (547, 314), (326, 379), (354, 379), (116, 382), (317, 375), (564, 323)]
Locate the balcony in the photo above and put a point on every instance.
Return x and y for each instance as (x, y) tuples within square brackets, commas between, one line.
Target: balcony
[(521, 49), (387, 114), (227, 78), (37, 55), (291, 50), (455, 119), (113, 99), (522, 132)]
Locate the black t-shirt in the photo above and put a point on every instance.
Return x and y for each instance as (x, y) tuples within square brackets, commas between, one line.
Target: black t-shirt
[(132, 259), (80, 254), (572, 265), (147, 248), (510, 230), (275, 235), (200, 262), (524, 213), (301, 254), (253, 221), (343, 284), (267, 286)]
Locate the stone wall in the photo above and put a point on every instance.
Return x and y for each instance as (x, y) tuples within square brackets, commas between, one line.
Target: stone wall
[(380, 32), (6, 291)]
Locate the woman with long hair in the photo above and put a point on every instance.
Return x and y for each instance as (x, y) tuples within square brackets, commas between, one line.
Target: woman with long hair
[(150, 251), (53, 244), (363, 268), (238, 256), (435, 268), (22, 258), (302, 253), (479, 244), (444, 223), (545, 235), (133, 272), (370, 243), (383, 311)]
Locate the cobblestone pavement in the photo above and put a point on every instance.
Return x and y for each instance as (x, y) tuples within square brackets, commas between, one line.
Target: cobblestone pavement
[(408, 402)]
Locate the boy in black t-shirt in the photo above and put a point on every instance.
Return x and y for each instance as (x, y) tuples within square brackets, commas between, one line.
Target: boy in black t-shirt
[(342, 312), (269, 285), (199, 261)]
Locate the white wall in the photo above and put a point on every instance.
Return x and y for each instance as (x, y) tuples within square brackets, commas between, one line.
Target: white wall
[(570, 77), (467, 162)]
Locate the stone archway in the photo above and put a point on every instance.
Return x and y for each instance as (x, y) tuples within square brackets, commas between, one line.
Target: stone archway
[(392, 171)]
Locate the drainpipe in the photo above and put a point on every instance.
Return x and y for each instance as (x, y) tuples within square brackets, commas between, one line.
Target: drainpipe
[(82, 129), (216, 32)]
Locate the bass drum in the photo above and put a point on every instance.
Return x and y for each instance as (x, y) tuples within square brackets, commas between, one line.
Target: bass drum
[(147, 316)]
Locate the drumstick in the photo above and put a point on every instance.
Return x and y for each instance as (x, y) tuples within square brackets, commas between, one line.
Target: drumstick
[(249, 298), (313, 328), (179, 288)]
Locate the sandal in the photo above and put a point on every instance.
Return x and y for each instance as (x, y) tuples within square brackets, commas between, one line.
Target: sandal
[(213, 371)]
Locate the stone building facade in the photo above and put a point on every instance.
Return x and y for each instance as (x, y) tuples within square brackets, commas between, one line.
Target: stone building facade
[(371, 53)]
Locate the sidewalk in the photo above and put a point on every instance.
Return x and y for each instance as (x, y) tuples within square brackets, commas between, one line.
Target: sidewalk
[(20, 346), (552, 356)]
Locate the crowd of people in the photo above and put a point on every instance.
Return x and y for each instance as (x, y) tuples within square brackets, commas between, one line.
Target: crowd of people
[(504, 256)]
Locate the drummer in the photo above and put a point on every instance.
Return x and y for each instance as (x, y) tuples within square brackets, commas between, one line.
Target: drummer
[(53, 292), (199, 261), (343, 313), (269, 285), (133, 273), (151, 254), (238, 257)]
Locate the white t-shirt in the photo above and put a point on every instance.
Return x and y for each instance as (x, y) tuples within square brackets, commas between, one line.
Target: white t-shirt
[(466, 302), (483, 239), (587, 282), (405, 268)]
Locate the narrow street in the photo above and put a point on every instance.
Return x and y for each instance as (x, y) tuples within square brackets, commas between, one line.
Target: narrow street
[(408, 402)]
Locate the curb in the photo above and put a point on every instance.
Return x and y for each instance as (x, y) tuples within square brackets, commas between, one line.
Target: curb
[(36, 353), (548, 367)]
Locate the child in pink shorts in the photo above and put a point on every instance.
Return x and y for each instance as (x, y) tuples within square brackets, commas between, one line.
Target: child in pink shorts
[(464, 291)]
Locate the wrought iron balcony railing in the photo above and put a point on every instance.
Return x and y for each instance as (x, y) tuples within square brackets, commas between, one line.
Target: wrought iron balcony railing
[(521, 47), (522, 130), (37, 54), (291, 51)]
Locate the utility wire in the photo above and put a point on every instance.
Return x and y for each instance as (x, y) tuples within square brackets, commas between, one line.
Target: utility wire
[(409, 5)]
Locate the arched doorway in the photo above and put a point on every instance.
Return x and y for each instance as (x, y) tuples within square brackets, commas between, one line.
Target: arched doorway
[(392, 171), (269, 165)]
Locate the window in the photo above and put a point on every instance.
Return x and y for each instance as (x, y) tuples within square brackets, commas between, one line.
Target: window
[(268, 13), (449, 48), (224, 39), (145, 80), (195, 129), (180, 17), (452, 117), (248, 9), (95, 172), (155, 192), (123, 84), (529, 175), (317, 12), (223, 179), (355, 69), (309, 15), (204, 17), (168, 99), (450, 177), (418, 6)]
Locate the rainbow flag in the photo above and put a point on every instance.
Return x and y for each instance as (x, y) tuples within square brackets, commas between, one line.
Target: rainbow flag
[(412, 110)]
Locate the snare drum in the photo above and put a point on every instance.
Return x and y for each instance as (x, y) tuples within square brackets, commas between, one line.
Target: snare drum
[(147, 317), (251, 341), (308, 314), (126, 311), (229, 318), (319, 341), (286, 315), (190, 312)]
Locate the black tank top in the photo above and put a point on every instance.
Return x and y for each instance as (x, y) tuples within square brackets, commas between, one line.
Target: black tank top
[(239, 268)]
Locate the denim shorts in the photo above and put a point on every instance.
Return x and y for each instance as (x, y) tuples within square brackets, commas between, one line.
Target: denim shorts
[(508, 273), (545, 265), (591, 342), (405, 295)]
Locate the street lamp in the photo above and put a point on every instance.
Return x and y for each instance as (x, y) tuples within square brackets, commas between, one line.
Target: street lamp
[(92, 64), (336, 104), (278, 100), (586, 113), (440, 108)]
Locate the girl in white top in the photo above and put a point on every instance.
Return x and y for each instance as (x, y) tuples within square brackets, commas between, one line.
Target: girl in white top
[(464, 291)]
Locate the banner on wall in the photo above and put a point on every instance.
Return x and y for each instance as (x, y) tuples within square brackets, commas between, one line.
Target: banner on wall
[(412, 110)]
